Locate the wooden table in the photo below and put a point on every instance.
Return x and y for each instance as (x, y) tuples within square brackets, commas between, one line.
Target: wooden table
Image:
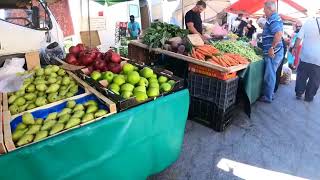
[(190, 59)]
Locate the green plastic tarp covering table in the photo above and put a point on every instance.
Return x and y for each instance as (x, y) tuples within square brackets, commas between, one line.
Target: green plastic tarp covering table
[(252, 78), (129, 145), (251, 81)]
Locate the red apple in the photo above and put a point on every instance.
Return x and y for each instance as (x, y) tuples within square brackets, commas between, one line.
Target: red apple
[(71, 59), (86, 58), (116, 58), (114, 67), (74, 50), (100, 65), (81, 47), (107, 55)]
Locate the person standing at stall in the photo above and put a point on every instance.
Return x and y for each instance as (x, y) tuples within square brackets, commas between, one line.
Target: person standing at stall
[(272, 49), (193, 18), (134, 28), (251, 30), (308, 72)]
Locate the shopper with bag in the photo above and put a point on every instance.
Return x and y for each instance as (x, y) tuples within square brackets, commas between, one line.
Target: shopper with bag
[(308, 73)]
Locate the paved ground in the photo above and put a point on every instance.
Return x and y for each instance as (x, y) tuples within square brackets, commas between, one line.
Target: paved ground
[(280, 141)]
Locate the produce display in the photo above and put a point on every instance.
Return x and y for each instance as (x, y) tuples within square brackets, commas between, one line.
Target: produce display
[(94, 59), (141, 84), (237, 47), (211, 54), (159, 33), (232, 36), (33, 129), (46, 85)]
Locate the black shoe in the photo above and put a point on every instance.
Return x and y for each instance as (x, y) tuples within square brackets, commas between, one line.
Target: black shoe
[(308, 99), (299, 96)]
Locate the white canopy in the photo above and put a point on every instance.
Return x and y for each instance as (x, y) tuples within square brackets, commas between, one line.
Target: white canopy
[(213, 8)]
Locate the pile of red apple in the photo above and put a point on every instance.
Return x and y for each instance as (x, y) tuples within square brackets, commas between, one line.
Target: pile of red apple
[(94, 59)]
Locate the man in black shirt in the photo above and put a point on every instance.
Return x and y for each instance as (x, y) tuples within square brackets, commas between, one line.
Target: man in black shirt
[(241, 26), (251, 30), (193, 19)]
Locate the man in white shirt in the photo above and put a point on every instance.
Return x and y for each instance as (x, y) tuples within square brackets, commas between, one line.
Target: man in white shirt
[(308, 73)]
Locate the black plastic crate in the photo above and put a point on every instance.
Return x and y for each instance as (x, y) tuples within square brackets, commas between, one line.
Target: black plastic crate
[(122, 103), (221, 92), (208, 114)]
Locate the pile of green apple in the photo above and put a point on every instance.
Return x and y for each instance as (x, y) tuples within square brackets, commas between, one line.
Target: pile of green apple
[(130, 82), (47, 85), (33, 130)]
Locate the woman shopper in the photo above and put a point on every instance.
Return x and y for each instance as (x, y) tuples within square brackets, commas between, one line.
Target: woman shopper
[(293, 59)]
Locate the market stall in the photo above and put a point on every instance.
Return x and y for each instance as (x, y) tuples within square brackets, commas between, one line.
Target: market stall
[(90, 115), (215, 72)]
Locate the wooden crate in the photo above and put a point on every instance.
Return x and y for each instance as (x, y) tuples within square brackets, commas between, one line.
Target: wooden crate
[(2, 145), (10, 146), (143, 55), (6, 104)]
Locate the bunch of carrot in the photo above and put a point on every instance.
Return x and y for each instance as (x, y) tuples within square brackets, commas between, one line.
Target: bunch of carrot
[(228, 60), (213, 55), (203, 52)]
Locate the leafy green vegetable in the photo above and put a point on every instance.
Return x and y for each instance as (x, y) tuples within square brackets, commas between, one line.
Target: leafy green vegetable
[(158, 33), (237, 47)]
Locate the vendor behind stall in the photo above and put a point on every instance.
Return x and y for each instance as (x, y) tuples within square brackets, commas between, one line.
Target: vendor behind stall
[(193, 19)]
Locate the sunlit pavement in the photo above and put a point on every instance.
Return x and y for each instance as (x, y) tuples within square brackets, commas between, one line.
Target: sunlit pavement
[(280, 141)]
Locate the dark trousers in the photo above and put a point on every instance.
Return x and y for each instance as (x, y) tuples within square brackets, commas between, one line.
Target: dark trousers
[(279, 71), (308, 80)]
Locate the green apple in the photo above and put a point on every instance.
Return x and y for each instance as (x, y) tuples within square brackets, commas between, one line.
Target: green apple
[(114, 87), (165, 87), (154, 76), (126, 94), (140, 89), (135, 68), (119, 80), (172, 82), (153, 80), (162, 79), (127, 68), (146, 72), (127, 87), (133, 77), (154, 85), (140, 96), (143, 82), (153, 92), (95, 75), (108, 75)]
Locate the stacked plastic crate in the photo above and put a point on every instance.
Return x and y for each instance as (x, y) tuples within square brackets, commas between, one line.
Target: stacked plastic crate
[(212, 100)]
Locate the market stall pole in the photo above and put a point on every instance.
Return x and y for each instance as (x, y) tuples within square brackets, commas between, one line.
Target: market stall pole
[(145, 140)]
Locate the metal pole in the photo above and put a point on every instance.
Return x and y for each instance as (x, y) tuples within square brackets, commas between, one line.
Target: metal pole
[(277, 6), (89, 24), (182, 9)]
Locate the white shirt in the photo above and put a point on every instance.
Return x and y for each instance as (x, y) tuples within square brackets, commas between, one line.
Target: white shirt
[(310, 35)]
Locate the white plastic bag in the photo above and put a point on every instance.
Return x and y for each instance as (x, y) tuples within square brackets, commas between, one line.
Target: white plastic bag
[(12, 66), (12, 83), (9, 80), (286, 75)]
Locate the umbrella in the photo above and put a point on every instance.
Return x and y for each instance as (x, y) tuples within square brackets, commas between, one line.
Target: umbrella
[(290, 9)]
